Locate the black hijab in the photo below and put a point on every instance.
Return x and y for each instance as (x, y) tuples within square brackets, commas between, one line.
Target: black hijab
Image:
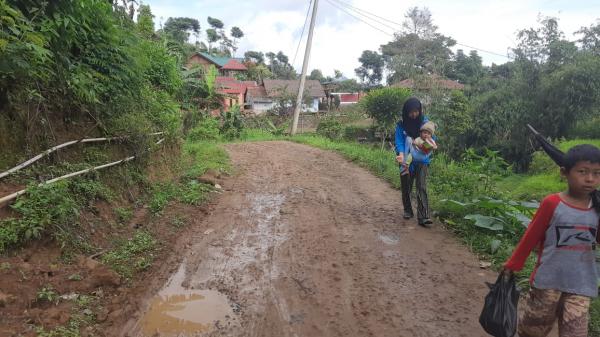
[(412, 126)]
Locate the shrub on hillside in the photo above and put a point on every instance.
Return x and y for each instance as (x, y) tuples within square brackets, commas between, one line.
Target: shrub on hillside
[(359, 132), (330, 128), (207, 129), (233, 123)]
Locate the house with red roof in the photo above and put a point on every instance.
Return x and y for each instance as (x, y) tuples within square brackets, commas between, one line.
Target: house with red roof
[(227, 66), (233, 90), (264, 98)]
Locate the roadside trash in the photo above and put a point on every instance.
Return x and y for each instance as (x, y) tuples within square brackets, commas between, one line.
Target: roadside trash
[(499, 314), (484, 264)]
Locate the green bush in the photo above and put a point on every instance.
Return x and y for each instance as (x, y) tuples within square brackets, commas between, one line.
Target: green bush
[(541, 163), (206, 129), (50, 208), (587, 128), (330, 128), (233, 123), (385, 105), (359, 132)]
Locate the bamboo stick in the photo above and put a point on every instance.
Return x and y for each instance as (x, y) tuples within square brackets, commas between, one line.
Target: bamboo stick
[(60, 146), (4, 200)]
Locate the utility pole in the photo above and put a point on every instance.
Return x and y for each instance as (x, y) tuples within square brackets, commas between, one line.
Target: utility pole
[(304, 66)]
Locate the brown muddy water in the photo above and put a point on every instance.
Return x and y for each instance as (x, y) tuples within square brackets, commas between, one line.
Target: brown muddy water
[(177, 311)]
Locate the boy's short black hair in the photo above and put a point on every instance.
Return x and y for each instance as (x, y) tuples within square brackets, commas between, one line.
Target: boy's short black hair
[(579, 153)]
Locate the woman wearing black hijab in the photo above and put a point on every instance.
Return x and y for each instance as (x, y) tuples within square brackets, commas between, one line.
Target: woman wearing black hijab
[(407, 130)]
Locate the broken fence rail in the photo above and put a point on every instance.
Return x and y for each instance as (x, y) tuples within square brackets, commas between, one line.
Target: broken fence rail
[(61, 146), (5, 200)]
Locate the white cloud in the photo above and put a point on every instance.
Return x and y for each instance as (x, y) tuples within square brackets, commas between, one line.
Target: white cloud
[(340, 39)]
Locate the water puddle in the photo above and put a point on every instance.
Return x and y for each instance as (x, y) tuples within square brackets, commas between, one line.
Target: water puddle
[(388, 239), (177, 311)]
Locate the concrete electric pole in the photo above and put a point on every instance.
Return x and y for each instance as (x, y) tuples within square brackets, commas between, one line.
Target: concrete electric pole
[(304, 66)]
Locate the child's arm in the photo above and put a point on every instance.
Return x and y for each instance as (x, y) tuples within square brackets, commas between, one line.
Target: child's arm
[(534, 234)]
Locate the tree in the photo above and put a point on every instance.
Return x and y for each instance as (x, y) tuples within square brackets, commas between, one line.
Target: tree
[(454, 122), (145, 22), (215, 23), (316, 75), (419, 22), (337, 74), (279, 66), (282, 58), (257, 72), (212, 36), (466, 69), (371, 69), (590, 40), (254, 56), (418, 50), (384, 106), (349, 85), (178, 29), (237, 34)]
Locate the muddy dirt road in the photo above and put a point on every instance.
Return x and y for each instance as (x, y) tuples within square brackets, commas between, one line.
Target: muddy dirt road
[(304, 243)]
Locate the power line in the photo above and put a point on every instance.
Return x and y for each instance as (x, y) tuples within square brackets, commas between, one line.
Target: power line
[(357, 18), (356, 9), (302, 35), (369, 13), (483, 50), (365, 14)]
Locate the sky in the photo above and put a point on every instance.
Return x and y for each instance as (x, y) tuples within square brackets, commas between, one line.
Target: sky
[(339, 38)]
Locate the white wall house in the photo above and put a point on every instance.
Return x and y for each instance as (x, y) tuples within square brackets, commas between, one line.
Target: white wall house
[(263, 98)]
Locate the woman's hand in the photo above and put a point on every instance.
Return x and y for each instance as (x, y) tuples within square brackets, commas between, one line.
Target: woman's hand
[(400, 158)]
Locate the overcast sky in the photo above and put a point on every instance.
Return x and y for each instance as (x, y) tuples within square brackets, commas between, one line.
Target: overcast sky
[(339, 39)]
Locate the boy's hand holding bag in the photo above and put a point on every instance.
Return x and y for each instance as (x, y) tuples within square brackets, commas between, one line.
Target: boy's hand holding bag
[(499, 314)]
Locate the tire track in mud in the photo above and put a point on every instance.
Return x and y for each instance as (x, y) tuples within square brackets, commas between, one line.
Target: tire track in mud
[(304, 243)]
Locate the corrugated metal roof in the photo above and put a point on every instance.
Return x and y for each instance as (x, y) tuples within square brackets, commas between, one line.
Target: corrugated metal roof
[(218, 60)]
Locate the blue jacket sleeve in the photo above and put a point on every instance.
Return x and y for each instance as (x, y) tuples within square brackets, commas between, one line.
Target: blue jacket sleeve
[(400, 139)]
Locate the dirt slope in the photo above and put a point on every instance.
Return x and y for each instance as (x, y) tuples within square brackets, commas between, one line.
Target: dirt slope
[(304, 243)]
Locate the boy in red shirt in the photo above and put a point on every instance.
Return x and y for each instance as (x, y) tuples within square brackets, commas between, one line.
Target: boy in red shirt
[(564, 231)]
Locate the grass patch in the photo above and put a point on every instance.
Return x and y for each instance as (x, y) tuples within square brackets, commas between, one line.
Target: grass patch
[(160, 196), (194, 193), (131, 256), (202, 156), (124, 214), (81, 317), (536, 187), (594, 326)]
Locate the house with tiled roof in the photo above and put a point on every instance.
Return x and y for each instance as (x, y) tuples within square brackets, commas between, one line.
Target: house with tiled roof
[(430, 82), (234, 91), (227, 66), (264, 98)]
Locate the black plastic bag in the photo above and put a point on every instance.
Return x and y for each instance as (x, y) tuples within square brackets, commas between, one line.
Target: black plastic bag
[(499, 314)]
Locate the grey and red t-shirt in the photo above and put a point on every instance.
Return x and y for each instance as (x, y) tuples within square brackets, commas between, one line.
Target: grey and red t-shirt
[(565, 237)]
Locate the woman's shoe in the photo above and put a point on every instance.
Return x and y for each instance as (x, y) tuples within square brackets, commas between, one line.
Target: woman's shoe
[(427, 223), (408, 215)]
